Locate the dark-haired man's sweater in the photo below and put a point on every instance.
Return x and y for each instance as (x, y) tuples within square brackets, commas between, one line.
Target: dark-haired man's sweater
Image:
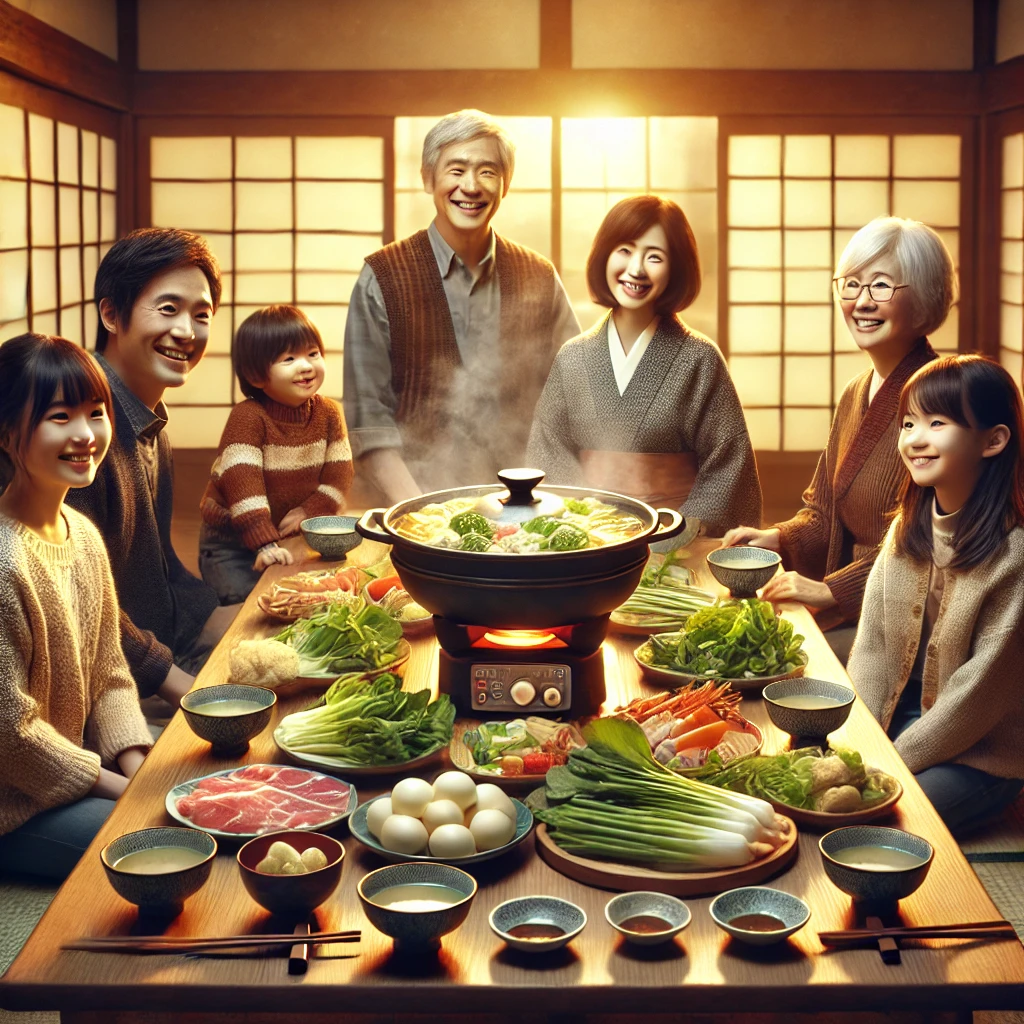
[(163, 606)]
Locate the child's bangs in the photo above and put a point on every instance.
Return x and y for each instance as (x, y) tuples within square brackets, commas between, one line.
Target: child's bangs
[(937, 390), (64, 372)]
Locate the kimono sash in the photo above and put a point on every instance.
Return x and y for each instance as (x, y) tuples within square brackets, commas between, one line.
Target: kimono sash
[(655, 478)]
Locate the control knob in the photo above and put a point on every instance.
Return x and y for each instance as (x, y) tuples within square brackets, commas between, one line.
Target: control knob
[(552, 697), (523, 692)]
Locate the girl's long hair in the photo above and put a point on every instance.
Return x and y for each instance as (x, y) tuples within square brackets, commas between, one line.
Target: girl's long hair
[(34, 369), (976, 393)]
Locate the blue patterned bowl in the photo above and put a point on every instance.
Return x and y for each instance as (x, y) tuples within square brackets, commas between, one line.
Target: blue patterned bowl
[(759, 899), (228, 734), (675, 913), (321, 534), (416, 927), (864, 884), (163, 893), (537, 910), (760, 566), (808, 721)]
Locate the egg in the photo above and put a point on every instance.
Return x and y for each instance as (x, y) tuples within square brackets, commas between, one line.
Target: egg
[(450, 841), (377, 813), (457, 786), (411, 796), (403, 834), (441, 812), (489, 796), (491, 828)]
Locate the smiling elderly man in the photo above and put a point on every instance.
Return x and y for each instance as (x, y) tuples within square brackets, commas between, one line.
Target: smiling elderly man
[(451, 332), (156, 291)]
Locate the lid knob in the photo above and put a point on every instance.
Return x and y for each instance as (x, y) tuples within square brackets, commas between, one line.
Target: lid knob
[(520, 484)]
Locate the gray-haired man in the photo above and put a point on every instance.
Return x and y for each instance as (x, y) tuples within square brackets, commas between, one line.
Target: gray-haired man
[(451, 332)]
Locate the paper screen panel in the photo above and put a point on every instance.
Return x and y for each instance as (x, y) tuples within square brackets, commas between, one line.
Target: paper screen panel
[(334, 376), (204, 158), (755, 285), (413, 211), (934, 202), (808, 328), (339, 157), (807, 156), (846, 366), (1010, 287), (1012, 257), (12, 142), (44, 280), (763, 426), (324, 286), (683, 153), (263, 205), (108, 216), (69, 222), (330, 322), (71, 324), (946, 337), (45, 323), (334, 252), (197, 207), (755, 156), (808, 381), (188, 430), (13, 214), (90, 217), (1011, 327), (1013, 214), (268, 158), (755, 329), (208, 384), (263, 289), (13, 285), (754, 203), (755, 248), (108, 164), (1013, 161), (757, 379), (526, 217), (808, 285), (40, 144), (807, 249), (90, 264), (348, 206), (70, 262), (926, 156), (807, 204), (857, 202), (805, 430), (604, 152), (862, 156), (44, 215), (90, 159), (263, 251)]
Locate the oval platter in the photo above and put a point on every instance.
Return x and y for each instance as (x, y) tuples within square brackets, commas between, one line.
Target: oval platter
[(357, 825), (403, 650), (825, 821), (636, 878), (336, 764), (670, 677), (186, 788)]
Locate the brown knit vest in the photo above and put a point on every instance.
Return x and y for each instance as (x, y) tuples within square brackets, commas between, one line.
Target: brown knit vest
[(425, 356)]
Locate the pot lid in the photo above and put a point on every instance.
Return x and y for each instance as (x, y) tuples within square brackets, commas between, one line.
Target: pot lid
[(520, 502)]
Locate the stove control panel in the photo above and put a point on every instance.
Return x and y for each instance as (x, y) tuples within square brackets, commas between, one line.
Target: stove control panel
[(520, 688)]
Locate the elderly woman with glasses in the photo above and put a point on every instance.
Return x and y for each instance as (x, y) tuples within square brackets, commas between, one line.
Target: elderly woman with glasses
[(894, 284)]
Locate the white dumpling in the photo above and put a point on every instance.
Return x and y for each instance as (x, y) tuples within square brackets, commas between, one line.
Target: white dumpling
[(377, 813), (457, 786), (491, 828), (402, 833), (441, 812), (452, 841), (411, 796), (489, 796)]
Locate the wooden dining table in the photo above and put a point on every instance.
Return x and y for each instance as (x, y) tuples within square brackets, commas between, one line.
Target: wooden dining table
[(702, 974)]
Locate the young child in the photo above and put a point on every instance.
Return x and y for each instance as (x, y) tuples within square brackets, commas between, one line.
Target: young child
[(941, 637), (284, 455), (71, 730)]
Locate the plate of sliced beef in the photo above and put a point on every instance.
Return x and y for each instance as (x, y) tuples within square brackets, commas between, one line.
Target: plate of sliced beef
[(244, 802)]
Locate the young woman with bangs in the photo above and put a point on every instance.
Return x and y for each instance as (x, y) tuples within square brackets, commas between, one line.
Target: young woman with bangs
[(71, 730), (940, 644), (641, 403)]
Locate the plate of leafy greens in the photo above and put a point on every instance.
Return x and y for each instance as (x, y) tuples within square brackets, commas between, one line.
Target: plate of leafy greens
[(353, 637), (368, 726), (743, 641)]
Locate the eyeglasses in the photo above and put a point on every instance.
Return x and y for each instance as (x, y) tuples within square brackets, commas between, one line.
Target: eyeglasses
[(849, 288)]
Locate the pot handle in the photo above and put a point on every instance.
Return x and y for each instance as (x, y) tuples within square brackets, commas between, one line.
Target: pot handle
[(670, 524), (366, 527)]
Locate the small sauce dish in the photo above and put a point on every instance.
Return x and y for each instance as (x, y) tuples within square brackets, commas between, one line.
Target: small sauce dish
[(647, 918), (537, 924), (749, 914)]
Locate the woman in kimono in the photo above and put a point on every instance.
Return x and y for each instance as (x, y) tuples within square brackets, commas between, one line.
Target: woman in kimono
[(642, 404), (894, 284)]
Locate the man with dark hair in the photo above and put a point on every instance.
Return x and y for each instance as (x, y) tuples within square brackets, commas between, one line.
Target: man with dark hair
[(156, 292), (451, 332)]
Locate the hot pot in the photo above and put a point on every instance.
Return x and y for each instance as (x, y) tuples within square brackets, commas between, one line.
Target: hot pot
[(520, 591)]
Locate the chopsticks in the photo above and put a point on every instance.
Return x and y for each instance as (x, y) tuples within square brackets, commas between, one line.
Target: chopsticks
[(184, 944), (970, 930)]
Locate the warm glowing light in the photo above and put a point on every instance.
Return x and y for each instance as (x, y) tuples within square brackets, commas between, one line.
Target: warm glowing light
[(519, 637)]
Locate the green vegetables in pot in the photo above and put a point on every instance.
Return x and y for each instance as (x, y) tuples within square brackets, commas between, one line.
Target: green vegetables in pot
[(568, 538), (730, 640), (544, 525), (475, 542), (370, 722), (466, 523), (343, 638)]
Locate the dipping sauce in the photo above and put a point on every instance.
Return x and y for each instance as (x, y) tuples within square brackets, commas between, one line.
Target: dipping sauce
[(757, 923), (536, 930), (645, 924), (877, 858), (807, 701), (159, 860), (418, 897), (226, 708)]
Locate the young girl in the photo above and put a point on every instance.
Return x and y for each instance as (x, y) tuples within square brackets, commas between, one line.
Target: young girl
[(284, 455), (941, 637), (641, 404), (71, 730)]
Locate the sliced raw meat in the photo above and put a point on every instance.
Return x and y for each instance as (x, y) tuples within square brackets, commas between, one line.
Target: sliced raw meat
[(264, 798)]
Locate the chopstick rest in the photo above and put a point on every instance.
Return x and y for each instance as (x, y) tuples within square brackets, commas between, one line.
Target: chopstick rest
[(298, 958), (887, 947)]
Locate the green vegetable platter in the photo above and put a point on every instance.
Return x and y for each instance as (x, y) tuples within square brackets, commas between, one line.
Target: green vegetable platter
[(664, 599), (368, 726), (819, 789), (743, 641), (356, 637)]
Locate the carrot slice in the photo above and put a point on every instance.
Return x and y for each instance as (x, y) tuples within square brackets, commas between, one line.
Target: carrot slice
[(702, 716), (707, 736), (376, 589)]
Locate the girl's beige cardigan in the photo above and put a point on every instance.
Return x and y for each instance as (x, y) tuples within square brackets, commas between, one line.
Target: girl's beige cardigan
[(972, 690)]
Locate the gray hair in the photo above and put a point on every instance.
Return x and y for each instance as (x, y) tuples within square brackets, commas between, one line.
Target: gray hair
[(465, 126), (921, 258)]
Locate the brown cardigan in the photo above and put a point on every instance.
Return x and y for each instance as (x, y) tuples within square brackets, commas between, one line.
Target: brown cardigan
[(835, 536)]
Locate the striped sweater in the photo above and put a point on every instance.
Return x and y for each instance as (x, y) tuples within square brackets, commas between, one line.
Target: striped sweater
[(67, 699), (273, 458)]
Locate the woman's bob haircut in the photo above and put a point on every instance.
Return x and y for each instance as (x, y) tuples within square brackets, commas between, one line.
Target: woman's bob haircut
[(626, 221), (37, 370), (921, 259), (465, 126), (977, 393)]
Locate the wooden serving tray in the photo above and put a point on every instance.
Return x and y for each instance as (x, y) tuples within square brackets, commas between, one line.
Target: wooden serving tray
[(635, 878)]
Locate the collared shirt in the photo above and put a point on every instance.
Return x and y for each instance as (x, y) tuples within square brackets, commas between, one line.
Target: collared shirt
[(624, 364), (475, 307), (146, 424)]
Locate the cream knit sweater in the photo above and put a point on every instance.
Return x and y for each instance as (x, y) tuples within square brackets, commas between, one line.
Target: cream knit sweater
[(64, 682), (972, 691)]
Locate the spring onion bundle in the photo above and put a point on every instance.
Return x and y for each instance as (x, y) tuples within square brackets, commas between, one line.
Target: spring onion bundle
[(661, 607), (370, 722), (613, 801)]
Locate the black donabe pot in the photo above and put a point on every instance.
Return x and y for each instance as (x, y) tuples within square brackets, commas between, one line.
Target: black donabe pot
[(520, 591)]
